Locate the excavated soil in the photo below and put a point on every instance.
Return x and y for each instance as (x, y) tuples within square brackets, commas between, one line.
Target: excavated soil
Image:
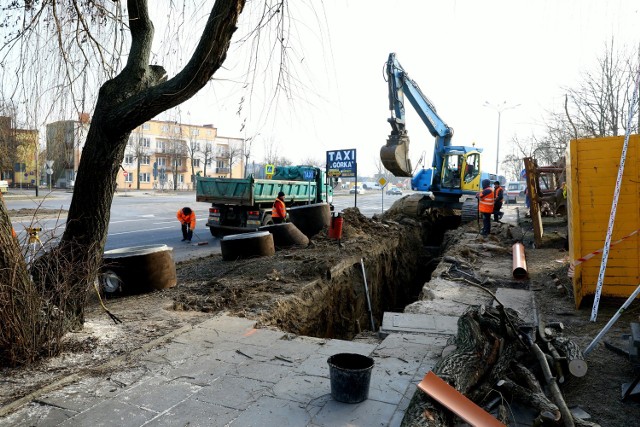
[(319, 291)]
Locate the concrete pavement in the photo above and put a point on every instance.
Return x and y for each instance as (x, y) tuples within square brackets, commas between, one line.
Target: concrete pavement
[(224, 372)]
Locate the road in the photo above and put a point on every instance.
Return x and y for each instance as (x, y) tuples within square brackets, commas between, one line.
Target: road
[(149, 218)]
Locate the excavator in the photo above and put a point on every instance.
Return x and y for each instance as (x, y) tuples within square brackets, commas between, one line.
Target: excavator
[(455, 176)]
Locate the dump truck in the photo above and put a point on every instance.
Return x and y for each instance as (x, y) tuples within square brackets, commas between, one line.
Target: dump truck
[(241, 205)]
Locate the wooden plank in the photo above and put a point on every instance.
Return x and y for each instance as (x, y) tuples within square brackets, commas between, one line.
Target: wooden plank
[(574, 218)]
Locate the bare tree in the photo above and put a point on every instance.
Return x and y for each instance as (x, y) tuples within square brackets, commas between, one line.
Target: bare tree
[(599, 106), (140, 150), (8, 142), (233, 154), (131, 96), (208, 154), (193, 148), (271, 148), (311, 161)]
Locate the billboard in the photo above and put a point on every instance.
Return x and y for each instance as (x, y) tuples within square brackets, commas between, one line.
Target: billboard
[(342, 163)]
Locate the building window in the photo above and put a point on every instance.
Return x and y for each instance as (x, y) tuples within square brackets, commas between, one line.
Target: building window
[(209, 161), (196, 163), (146, 126), (146, 142), (128, 159), (145, 177), (220, 164), (195, 132), (181, 179), (164, 128), (144, 160), (160, 144), (162, 161), (195, 146), (176, 130), (129, 177)]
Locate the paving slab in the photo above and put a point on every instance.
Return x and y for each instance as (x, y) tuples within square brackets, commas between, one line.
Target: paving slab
[(419, 323), (520, 300)]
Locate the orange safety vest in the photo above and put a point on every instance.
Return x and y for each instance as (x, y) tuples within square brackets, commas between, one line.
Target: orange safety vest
[(279, 209), (187, 219), (498, 193), (486, 202)]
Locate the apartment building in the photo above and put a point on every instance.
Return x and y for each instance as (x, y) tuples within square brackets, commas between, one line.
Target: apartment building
[(159, 154), (19, 149), (170, 155)]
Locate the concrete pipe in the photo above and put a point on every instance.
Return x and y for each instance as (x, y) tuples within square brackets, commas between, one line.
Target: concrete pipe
[(286, 235), (247, 245), (311, 219), (519, 267), (141, 268)]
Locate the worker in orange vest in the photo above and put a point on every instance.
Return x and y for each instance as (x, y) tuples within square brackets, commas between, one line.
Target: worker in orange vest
[(485, 206), (187, 219), (498, 197), (279, 210)]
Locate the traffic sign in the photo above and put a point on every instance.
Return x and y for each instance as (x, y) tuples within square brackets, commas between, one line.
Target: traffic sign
[(49, 163), (125, 173), (49, 171), (269, 169), (382, 181), (308, 174)]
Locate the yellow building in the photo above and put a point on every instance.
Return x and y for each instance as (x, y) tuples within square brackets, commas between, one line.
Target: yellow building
[(18, 154), (169, 155)]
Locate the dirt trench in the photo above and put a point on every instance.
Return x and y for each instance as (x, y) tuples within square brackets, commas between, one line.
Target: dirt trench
[(336, 306)]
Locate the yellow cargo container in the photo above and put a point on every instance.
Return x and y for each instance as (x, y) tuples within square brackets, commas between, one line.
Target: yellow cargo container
[(592, 169)]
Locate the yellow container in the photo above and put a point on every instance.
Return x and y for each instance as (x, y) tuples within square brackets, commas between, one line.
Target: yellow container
[(592, 170)]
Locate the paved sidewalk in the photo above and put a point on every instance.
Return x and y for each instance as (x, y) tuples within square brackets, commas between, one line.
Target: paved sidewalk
[(223, 372)]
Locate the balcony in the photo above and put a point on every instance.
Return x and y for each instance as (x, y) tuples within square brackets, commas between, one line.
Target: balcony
[(222, 170)]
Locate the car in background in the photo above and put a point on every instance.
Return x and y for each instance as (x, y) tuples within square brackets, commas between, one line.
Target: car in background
[(4, 186), (357, 190), (394, 191), (514, 190)]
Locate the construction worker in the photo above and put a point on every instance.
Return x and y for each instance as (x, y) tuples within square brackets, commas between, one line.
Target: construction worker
[(187, 219), (485, 206), (279, 210), (498, 198)]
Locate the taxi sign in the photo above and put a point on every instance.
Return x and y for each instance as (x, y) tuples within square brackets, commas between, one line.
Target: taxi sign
[(382, 181)]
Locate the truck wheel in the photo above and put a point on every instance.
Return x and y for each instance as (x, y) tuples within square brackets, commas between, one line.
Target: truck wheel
[(286, 235), (267, 220), (247, 245), (215, 233)]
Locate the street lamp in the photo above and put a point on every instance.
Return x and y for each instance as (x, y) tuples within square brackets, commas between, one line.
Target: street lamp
[(499, 109)]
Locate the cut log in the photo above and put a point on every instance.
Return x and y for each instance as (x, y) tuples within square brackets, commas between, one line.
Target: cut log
[(557, 362), (523, 375), (576, 364)]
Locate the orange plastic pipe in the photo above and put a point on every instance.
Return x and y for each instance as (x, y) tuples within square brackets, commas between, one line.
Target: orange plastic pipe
[(519, 267)]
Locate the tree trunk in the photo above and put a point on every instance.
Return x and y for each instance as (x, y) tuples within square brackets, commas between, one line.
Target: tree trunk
[(574, 358), (137, 94)]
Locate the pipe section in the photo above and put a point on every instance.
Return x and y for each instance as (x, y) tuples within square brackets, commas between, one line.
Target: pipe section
[(519, 267)]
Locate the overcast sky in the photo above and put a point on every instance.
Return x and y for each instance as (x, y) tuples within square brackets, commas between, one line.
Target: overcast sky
[(461, 53)]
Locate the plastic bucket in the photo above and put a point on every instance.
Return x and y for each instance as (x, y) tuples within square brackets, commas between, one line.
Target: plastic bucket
[(350, 375)]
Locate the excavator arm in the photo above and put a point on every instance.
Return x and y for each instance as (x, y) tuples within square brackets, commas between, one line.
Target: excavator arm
[(395, 154)]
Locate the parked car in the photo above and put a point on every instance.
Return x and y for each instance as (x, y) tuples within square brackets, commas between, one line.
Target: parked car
[(514, 190), (357, 190), (394, 191), (4, 186)]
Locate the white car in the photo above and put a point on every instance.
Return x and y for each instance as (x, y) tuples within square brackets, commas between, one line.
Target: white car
[(357, 190), (514, 190)]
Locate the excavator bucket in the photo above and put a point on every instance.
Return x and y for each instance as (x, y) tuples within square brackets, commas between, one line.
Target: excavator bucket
[(395, 155)]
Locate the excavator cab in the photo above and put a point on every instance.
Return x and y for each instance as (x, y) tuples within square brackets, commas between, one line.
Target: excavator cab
[(461, 171)]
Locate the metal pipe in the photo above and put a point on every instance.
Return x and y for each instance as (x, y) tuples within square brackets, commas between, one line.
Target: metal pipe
[(611, 322), (519, 267), (366, 291)]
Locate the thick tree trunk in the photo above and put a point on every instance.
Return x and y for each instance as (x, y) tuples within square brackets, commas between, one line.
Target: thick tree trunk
[(34, 313)]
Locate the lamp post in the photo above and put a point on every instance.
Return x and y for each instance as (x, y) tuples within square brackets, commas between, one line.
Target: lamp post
[(499, 109)]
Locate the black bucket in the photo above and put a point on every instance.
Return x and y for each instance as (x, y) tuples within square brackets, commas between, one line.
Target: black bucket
[(350, 375)]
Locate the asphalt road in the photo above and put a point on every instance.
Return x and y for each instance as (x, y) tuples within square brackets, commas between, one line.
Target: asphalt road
[(141, 218)]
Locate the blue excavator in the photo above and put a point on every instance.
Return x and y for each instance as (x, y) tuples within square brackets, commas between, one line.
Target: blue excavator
[(455, 175)]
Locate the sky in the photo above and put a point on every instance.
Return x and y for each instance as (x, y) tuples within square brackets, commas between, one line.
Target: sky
[(462, 54)]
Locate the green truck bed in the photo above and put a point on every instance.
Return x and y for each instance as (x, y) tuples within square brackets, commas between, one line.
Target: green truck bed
[(250, 191)]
